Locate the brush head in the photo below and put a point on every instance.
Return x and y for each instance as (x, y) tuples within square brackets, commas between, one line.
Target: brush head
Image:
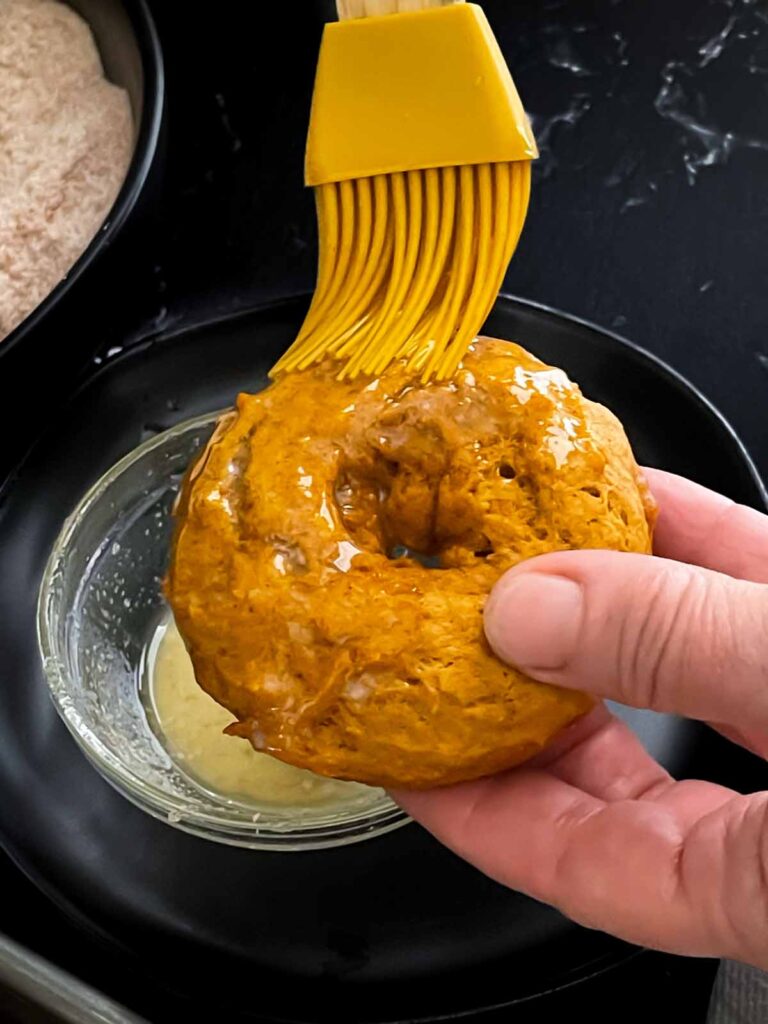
[(410, 265)]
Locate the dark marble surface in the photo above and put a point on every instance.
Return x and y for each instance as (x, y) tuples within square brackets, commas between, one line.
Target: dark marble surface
[(649, 215)]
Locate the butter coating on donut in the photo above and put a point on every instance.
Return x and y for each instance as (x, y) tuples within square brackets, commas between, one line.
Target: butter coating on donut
[(336, 542)]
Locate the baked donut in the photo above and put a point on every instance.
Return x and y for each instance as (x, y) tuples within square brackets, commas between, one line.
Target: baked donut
[(336, 542)]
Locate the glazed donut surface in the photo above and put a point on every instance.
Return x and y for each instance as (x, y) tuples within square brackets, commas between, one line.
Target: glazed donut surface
[(336, 542)]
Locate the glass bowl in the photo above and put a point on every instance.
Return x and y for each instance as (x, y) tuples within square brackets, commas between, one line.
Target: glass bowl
[(100, 606)]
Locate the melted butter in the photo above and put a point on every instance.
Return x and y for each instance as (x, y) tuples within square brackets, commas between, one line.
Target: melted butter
[(542, 381), (215, 497), (325, 514), (288, 556), (562, 438), (191, 727), (347, 551), (521, 394)]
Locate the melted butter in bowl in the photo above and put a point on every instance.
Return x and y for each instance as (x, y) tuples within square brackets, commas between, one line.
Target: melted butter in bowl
[(190, 725), (122, 681)]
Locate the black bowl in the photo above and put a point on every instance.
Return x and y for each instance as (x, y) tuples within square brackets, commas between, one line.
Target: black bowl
[(53, 340)]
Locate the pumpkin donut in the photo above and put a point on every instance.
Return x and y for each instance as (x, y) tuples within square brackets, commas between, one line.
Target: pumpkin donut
[(336, 542)]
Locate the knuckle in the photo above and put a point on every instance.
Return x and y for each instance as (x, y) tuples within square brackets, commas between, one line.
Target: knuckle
[(659, 635)]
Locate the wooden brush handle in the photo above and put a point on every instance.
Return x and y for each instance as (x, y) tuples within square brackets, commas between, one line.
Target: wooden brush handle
[(367, 8)]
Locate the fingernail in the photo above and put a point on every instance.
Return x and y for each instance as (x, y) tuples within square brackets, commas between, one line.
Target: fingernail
[(532, 620)]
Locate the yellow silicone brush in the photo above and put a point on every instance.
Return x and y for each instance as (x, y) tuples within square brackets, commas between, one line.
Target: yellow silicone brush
[(419, 151)]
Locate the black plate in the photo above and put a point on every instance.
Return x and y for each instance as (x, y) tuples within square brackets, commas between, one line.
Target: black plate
[(388, 929)]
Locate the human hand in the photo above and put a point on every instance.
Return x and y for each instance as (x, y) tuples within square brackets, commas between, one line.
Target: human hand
[(594, 825)]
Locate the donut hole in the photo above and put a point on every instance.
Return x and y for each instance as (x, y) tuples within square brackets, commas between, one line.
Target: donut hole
[(484, 548), (413, 507), (506, 471), (388, 509), (397, 552)]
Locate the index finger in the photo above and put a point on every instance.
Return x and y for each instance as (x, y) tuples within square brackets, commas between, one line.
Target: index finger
[(704, 528)]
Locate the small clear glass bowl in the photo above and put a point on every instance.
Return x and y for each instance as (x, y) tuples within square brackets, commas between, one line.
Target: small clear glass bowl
[(100, 604)]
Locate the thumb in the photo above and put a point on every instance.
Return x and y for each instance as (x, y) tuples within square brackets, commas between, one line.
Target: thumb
[(641, 630)]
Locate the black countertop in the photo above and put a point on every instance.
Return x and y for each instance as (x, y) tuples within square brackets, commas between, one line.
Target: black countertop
[(648, 216)]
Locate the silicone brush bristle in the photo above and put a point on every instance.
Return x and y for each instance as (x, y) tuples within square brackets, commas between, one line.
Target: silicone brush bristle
[(410, 265)]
